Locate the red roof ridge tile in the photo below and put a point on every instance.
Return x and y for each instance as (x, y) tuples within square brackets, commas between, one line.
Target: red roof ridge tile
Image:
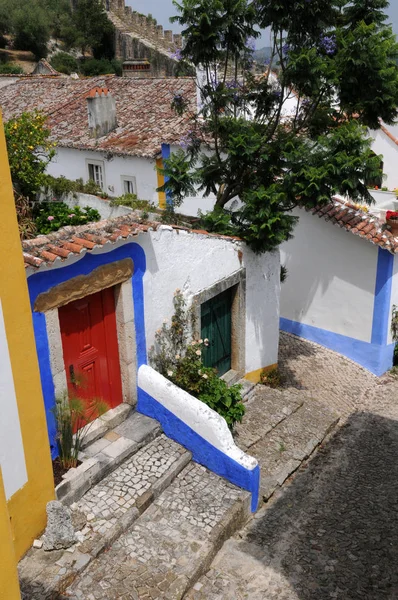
[(346, 215)]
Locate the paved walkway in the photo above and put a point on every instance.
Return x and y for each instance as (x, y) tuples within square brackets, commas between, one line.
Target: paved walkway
[(332, 532), (334, 380)]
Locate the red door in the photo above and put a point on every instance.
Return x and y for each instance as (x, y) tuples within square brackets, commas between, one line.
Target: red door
[(90, 347)]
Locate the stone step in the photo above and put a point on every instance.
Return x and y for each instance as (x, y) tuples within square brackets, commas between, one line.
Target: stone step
[(106, 454), (281, 451), (265, 409), (103, 514), (171, 545)]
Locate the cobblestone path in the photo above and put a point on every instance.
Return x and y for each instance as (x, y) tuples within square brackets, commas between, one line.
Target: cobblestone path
[(334, 380), (332, 531), (178, 535)]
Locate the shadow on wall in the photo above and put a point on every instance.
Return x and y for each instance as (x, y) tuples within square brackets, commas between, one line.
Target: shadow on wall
[(331, 266), (334, 532)]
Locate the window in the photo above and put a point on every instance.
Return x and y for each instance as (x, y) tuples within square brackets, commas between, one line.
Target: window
[(96, 173), (129, 185)]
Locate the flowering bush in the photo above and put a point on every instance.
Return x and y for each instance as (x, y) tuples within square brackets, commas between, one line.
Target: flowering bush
[(181, 362), (29, 151), (391, 214), (54, 215)]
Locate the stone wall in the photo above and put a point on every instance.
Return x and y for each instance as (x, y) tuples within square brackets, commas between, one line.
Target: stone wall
[(137, 36)]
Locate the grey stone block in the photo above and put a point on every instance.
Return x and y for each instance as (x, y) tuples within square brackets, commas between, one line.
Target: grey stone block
[(138, 427), (59, 532)]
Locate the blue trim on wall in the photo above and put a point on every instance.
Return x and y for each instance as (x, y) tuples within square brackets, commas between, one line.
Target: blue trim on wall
[(374, 357), (165, 155), (382, 302), (203, 452), (45, 280)]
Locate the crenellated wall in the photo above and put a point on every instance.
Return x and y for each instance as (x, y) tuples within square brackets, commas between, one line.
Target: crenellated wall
[(137, 36)]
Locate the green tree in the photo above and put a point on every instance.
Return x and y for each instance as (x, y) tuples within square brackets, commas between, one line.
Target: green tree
[(29, 152), (336, 62), (91, 26), (31, 26)]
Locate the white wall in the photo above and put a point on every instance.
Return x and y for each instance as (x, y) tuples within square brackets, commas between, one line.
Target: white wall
[(383, 145), (71, 163), (331, 278), (194, 262), (101, 204), (394, 296), (12, 456)]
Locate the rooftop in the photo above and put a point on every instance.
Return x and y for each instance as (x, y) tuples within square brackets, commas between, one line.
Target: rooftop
[(71, 242), (357, 222), (143, 107)]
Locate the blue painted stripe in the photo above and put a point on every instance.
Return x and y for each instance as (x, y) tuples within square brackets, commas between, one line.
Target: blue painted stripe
[(382, 302), (165, 155), (374, 357), (45, 280), (202, 451)]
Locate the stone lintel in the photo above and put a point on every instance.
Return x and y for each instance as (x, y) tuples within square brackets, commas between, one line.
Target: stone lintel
[(84, 285)]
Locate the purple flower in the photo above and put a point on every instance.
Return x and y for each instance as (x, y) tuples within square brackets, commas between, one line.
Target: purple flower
[(285, 48), (177, 54), (328, 44), (50, 218)]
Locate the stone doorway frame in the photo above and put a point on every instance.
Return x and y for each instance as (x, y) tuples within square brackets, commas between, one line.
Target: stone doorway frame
[(117, 275), (237, 283)]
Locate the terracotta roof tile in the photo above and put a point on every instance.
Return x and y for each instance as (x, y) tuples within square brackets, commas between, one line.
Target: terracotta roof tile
[(358, 222), (143, 108), (82, 242), (72, 241)]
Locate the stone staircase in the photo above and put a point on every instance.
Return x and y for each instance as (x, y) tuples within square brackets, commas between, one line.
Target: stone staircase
[(153, 525)]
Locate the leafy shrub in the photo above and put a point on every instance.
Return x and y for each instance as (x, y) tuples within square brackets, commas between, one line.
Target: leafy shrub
[(132, 201), (10, 69), (54, 215), (103, 66), (72, 414), (26, 223), (271, 378), (181, 362), (61, 186), (29, 151), (64, 63)]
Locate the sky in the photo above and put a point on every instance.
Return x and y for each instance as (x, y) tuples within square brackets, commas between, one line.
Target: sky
[(162, 10)]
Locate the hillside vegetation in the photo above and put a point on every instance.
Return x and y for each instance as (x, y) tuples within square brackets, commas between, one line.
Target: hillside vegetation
[(32, 23)]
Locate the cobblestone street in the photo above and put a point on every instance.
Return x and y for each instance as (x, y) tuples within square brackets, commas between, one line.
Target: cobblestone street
[(332, 531), (328, 530)]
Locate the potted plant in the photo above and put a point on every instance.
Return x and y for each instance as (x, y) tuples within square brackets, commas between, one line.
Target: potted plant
[(392, 221)]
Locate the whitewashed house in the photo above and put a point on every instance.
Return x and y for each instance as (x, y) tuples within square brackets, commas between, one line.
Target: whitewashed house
[(342, 282), (99, 293), (113, 130)]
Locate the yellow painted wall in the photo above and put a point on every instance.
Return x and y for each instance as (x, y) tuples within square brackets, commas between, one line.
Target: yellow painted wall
[(9, 588), (161, 195), (255, 376), (27, 506)]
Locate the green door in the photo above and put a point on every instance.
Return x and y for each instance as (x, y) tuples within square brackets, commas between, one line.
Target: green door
[(216, 327)]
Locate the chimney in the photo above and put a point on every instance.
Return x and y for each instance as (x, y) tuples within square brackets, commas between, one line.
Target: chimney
[(101, 108), (137, 67)]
